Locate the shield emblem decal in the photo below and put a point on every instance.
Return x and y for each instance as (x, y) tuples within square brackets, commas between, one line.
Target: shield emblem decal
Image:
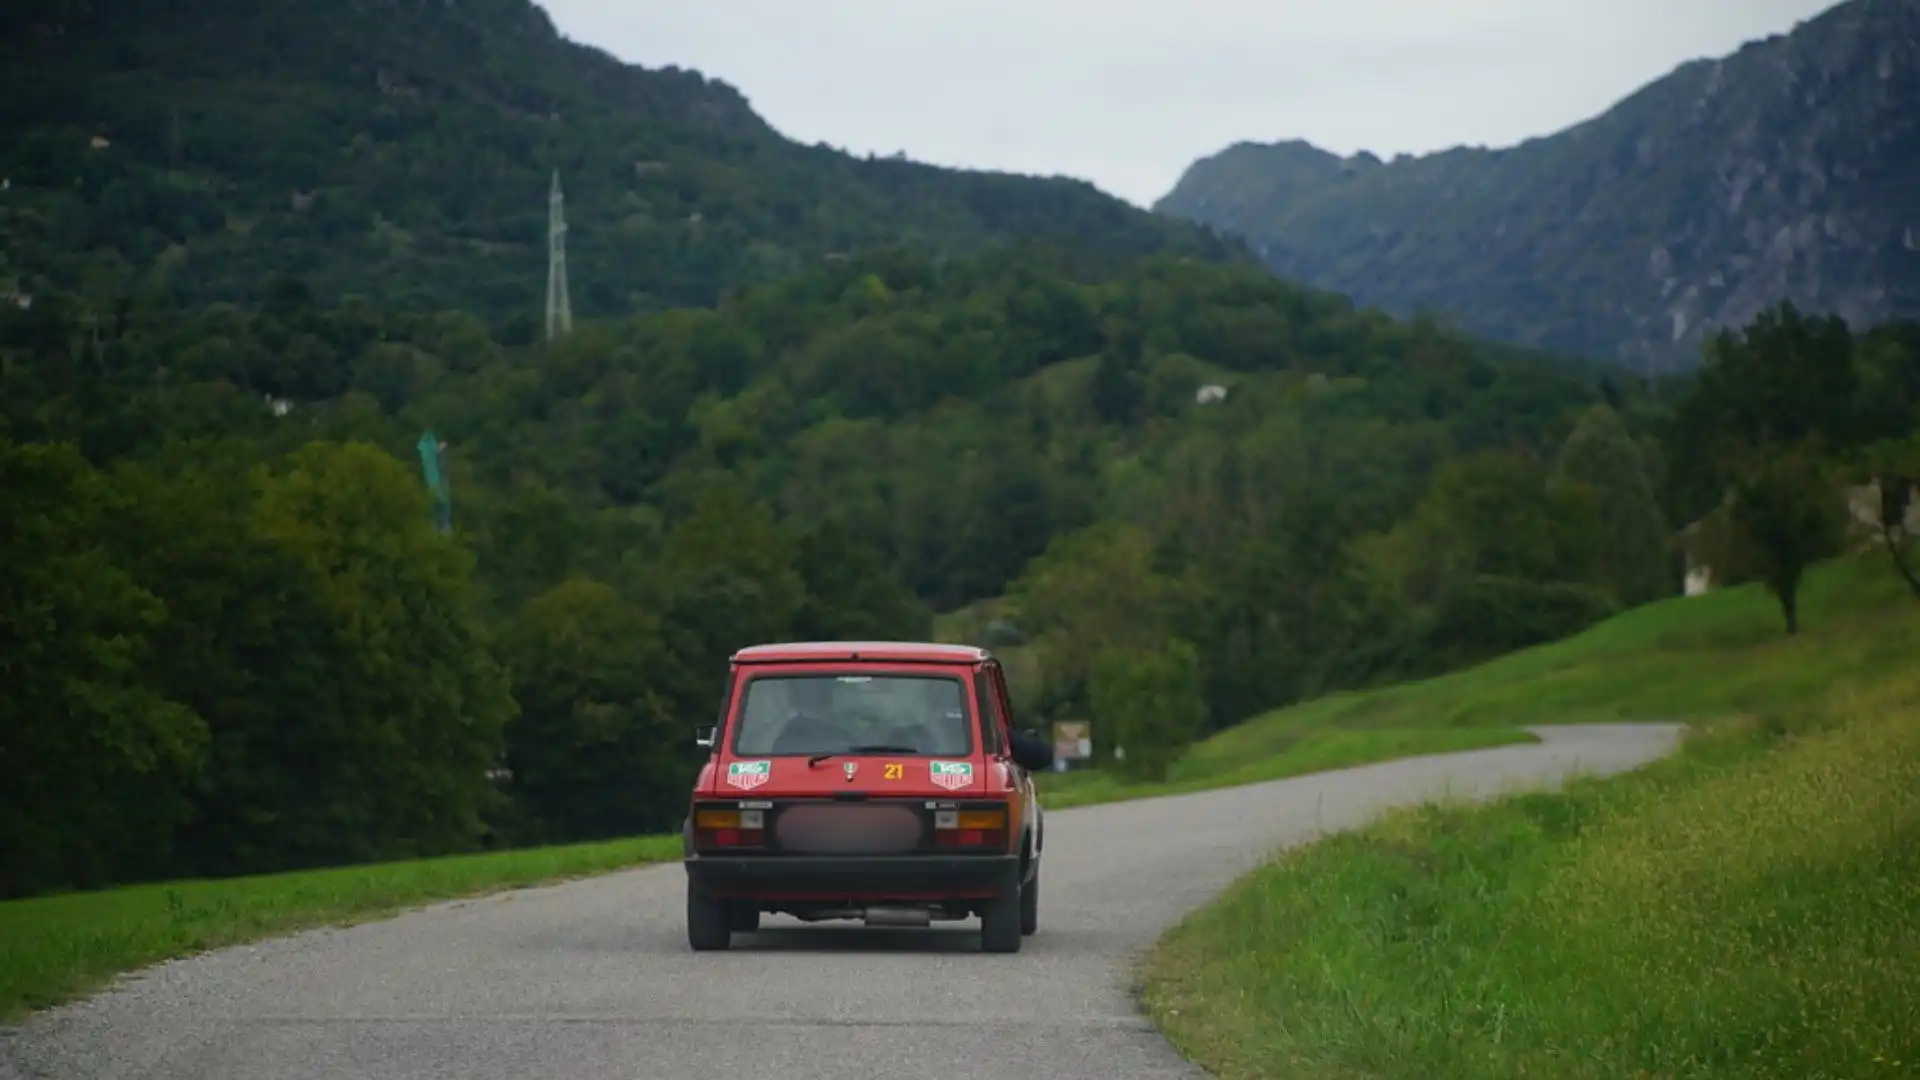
[(952, 775), (747, 775), (851, 766)]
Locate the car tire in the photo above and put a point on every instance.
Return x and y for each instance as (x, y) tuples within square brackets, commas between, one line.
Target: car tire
[(1030, 905), (1000, 921), (708, 928), (743, 918)]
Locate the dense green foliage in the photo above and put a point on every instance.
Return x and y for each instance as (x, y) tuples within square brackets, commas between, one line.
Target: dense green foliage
[(1780, 171), (1503, 548), (283, 664), (404, 150), (244, 646), (1783, 416), (1149, 703)]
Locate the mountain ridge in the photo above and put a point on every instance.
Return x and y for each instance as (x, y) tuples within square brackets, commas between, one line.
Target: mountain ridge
[(1630, 236)]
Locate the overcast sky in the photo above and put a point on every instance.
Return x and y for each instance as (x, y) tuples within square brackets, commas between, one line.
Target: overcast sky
[(1127, 92)]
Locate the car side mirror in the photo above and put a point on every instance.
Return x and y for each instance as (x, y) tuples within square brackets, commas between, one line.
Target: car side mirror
[(703, 737), (1031, 752)]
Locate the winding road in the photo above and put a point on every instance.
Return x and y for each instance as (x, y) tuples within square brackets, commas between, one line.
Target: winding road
[(593, 979)]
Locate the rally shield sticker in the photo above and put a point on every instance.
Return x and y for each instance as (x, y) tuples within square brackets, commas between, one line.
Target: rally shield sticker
[(951, 775), (747, 775)]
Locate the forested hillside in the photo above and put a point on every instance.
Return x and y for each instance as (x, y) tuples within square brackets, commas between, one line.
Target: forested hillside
[(237, 641), (1786, 170), (403, 150)]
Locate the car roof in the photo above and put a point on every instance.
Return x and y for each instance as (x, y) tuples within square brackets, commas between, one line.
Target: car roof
[(916, 652)]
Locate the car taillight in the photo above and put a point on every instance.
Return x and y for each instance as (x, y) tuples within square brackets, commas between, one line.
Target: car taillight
[(729, 828), (970, 828)]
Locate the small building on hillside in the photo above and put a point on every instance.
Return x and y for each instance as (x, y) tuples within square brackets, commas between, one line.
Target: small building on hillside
[(1699, 576)]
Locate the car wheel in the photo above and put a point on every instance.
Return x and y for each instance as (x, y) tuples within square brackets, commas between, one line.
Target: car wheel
[(1000, 921), (708, 929), (1030, 905), (743, 918)]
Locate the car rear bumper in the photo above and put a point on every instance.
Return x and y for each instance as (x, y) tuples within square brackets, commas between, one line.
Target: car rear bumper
[(864, 877)]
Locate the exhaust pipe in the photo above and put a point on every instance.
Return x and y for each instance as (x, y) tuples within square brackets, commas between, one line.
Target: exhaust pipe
[(917, 918), (827, 915)]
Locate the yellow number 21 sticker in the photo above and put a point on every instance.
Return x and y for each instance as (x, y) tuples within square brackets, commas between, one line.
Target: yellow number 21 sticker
[(893, 770)]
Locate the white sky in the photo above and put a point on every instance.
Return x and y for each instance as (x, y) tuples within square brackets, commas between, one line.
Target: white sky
[(1127, 93)]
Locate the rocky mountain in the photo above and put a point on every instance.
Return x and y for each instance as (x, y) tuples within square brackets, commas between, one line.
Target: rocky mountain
[(404, 150), (1789, 169)]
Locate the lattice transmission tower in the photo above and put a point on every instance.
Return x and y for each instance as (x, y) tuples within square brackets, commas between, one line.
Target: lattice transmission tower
[(559, 308)]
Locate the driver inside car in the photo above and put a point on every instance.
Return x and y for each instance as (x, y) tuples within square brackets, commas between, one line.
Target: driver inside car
[(809, 725)]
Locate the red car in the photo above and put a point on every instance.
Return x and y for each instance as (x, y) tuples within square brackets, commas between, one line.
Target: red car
[(879, 781)]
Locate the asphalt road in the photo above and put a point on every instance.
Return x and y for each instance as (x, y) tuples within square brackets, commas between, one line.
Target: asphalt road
[(593, 979)]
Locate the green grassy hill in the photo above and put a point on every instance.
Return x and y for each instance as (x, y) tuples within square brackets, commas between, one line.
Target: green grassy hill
[(1688, 659), (1744, 909)]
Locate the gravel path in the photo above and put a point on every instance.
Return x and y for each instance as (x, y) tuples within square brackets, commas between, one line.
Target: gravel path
[(593, 979)]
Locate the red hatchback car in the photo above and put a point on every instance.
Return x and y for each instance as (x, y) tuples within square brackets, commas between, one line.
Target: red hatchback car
[(879, 781)]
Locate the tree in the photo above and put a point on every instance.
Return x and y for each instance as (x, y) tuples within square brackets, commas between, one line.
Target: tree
[(851, 594), (1503, 514), (1013, 513), (596, 750), (1633, 553), (1887, 375), (1889, 426), (1786, 512), (531, 535), (1089, 591), (421, 700), (1781, 413), (1115, 390), (253, 651), (1782, 380), (94, 760), (1148, 703), (726, 577), (1894, 465), (1274, 606)]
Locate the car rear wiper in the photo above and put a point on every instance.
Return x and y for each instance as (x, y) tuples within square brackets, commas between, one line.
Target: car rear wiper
[(864, 748)]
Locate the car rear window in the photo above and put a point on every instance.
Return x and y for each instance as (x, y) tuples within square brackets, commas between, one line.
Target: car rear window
[(833, 713)]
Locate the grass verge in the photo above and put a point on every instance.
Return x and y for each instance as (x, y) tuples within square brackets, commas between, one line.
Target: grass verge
[(1748, 908), (1686, 659), (56, 948)]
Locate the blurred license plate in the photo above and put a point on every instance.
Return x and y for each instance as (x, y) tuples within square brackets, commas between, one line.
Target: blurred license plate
[(848, 830)]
